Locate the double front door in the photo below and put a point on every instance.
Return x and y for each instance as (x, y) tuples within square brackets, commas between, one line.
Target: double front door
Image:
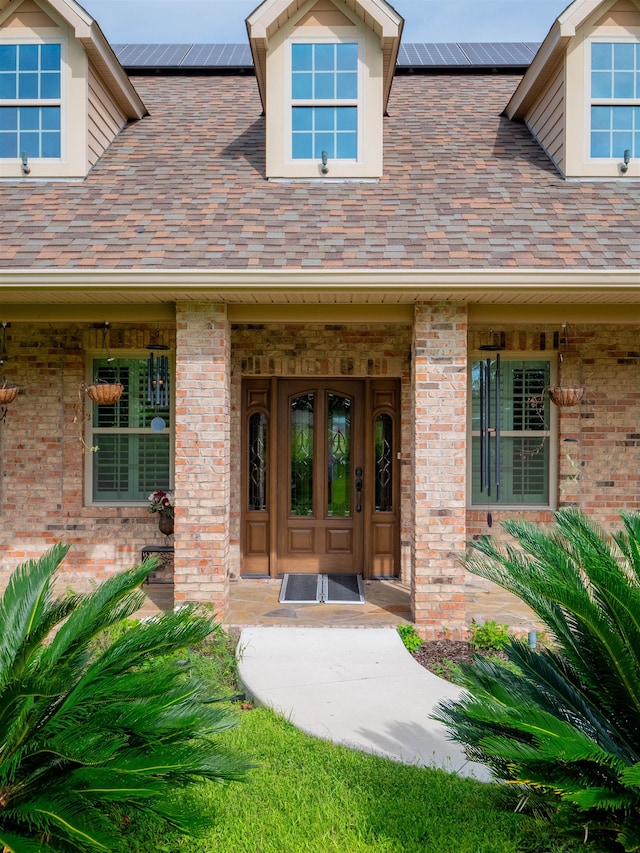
[(320, 476)]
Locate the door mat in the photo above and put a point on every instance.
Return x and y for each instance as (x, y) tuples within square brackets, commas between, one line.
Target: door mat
[(318, 589)]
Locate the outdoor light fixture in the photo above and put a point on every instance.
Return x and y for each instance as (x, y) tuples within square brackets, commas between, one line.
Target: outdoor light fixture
[(624, 166), (157, 343), (325, 168), (494, 344), (25, 164)]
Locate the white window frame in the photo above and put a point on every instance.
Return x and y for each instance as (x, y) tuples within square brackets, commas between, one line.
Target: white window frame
[(590, 101), (551, 433), (90, 432), (358, 103), (44, 102)]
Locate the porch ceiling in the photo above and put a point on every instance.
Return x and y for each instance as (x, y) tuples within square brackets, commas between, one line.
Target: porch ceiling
[(320, 287)]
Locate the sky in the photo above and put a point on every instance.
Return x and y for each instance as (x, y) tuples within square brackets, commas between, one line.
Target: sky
[(222, 21)]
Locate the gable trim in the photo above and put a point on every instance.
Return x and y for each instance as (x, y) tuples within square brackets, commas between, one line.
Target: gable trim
[(552, 52), (271, 15), (88, 33)]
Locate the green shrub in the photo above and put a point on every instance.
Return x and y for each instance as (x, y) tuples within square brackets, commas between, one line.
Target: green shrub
[(410, 637), (564, 728), (488, 637), (95, 732)]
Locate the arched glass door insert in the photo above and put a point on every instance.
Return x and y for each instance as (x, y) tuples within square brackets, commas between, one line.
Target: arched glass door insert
[(338, 456), (257, 461), (383, 455), (302, 455)]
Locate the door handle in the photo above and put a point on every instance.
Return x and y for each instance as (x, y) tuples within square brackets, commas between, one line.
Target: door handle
[(358, 489)]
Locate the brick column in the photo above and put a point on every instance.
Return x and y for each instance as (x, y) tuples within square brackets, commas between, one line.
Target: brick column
[(202, 454), (439, 379)]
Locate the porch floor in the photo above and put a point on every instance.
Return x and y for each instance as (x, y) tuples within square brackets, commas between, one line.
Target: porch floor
[(387, 603)]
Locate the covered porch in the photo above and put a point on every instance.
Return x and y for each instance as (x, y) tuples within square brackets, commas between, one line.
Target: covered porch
[(387, 604)]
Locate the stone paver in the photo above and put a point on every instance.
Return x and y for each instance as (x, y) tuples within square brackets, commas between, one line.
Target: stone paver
[(387, 604)]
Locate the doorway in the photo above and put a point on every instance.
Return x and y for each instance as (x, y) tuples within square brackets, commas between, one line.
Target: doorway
[(320, 477)]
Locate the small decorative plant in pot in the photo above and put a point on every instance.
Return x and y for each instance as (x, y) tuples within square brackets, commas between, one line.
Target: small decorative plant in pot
[(162, 503)]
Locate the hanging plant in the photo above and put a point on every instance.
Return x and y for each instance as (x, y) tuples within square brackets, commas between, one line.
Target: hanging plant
[(8, 390), (104, 393), (563, 395), (8, 393)]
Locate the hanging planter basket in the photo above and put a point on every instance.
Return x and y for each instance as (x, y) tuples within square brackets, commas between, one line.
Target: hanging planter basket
[(563, 395), (105, 393), (165, 523), (8, 393)]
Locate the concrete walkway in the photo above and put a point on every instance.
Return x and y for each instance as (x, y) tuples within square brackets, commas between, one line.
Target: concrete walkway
[(356, 687)]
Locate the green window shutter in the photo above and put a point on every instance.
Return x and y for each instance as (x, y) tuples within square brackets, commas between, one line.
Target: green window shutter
[(524, 434), (130, 461)]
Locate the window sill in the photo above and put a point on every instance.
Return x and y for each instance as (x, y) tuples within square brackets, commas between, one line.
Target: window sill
[(494, 507)]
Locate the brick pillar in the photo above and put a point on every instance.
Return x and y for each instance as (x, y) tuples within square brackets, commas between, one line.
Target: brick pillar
[(202, 454), (439, 380)]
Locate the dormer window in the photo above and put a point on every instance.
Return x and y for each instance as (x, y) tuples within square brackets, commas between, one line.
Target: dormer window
[(324, 69), (615, 99), (30, 91), (64, 97), (324, 94)]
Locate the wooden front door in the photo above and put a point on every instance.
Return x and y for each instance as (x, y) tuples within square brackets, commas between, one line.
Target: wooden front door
[(320, 451), (320, 476)]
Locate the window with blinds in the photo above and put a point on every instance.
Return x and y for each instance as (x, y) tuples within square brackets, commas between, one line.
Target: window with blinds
[(518, 449), (129, 459)]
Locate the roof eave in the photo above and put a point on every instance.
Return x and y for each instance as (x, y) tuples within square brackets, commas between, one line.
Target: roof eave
[(546, 59), (551, 52)]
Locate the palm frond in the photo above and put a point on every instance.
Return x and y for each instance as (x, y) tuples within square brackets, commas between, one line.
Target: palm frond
[(564, 723), (87, 728), (24, 607), (14, 843)]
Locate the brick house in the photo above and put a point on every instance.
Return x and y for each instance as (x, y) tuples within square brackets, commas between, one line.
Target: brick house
[(336, 277)]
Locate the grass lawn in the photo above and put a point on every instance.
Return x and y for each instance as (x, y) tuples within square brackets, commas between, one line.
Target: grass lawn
[(307, 795)]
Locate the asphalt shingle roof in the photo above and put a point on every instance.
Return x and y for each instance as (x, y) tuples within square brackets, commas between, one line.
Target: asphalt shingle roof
[(464, 188)]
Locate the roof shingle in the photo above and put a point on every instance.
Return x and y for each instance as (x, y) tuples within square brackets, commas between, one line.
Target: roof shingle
[(463, 188)]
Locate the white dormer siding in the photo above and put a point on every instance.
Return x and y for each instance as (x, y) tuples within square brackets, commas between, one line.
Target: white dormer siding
[(322, 70), (63, 95), (585, 128)]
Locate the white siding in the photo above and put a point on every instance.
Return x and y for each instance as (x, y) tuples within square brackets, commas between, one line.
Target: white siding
[(106, 119), (546, 119)]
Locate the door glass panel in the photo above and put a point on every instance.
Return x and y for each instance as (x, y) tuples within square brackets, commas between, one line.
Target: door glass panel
[(338, 456), (383, 433), (301, 443), (257, 461)]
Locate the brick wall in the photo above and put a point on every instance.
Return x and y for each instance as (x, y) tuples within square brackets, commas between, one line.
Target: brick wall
[(43, 459), (202, 459), (598, 457), (439, 391), (43, 456)]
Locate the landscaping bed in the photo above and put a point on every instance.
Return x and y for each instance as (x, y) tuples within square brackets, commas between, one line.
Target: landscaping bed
[(436, 654), (442, 657)]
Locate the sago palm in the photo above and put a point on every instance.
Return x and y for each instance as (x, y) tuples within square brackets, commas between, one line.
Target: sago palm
[(565, 728), (90, 738)]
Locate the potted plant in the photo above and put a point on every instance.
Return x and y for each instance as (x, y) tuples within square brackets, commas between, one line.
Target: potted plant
[(8, 392), (162, 503), (566, 395), (104, 393)]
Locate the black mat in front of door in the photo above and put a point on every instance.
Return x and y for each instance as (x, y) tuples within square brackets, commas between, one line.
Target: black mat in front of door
[(317, 589)]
